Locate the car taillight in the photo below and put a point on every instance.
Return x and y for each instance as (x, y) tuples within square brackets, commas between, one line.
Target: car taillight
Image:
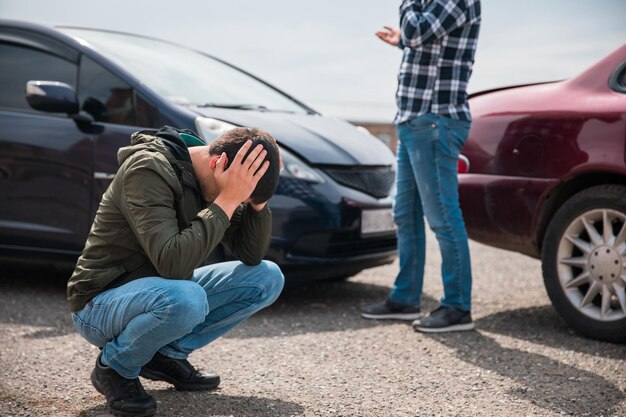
[(463, 164)]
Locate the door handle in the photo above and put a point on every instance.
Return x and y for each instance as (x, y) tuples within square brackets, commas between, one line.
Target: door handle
[(103, 176)]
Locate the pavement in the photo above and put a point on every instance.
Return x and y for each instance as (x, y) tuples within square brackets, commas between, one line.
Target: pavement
[(311, 354)]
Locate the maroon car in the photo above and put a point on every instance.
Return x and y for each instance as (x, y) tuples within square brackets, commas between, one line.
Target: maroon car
[(547, 178)]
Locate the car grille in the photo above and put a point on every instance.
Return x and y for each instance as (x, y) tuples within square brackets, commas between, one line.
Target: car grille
[(341, 244), (376, 181)]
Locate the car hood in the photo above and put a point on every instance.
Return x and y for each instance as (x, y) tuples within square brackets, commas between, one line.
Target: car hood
[(317, 139)]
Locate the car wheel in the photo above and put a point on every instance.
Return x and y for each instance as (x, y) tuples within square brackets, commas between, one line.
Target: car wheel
[(584, 262)]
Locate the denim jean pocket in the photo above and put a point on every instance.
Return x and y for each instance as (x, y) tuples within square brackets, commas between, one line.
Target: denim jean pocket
[(422, 123), (456, 135)]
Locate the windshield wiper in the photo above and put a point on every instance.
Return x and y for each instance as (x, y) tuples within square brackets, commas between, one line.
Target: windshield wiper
[(236, 106)]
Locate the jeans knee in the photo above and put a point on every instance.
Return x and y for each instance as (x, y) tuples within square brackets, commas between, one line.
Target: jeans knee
[(273, 280), (188, 303), (404, 219), (438, 227), (449, 230), (443, 232)]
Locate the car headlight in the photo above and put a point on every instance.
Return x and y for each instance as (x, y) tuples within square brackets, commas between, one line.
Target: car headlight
[(209, 129), (295, 168)]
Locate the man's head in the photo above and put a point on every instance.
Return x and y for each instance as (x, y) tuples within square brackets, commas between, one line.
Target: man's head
[(229, 143)]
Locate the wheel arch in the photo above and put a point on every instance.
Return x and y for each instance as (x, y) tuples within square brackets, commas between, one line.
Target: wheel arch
[(555, 198)]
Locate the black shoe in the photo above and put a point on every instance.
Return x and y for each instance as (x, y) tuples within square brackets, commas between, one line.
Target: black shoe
[(391, 310), (180, 373), (125, 397), (445, 319)]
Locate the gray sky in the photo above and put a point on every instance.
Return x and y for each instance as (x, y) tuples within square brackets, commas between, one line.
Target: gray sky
[(325, 52)]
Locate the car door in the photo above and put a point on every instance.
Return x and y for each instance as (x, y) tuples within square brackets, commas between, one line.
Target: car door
[(118, 111), (46, 164)]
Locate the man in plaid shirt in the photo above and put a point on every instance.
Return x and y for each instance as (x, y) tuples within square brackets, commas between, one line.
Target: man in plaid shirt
[(438, 39)]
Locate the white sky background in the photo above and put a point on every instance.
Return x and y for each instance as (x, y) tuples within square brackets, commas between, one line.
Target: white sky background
[(325, 53)]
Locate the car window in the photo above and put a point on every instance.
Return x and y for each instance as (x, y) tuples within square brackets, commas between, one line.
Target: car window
[(147, 114), (617, 82), (106, 97), (184, 76), (19, 64)]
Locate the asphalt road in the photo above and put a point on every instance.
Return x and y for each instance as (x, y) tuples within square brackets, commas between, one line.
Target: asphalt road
[(311, 354)]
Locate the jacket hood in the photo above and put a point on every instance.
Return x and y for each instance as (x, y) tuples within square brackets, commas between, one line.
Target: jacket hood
[(168, 140)]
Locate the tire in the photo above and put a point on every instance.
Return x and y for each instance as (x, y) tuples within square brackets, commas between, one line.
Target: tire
[(584, 262)]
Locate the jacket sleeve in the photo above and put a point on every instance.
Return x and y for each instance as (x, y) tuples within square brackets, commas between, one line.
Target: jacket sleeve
[(250, 234), (420, 27), (148, 201)]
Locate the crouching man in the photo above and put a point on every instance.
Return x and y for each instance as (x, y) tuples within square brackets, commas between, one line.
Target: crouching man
[(137, 291)]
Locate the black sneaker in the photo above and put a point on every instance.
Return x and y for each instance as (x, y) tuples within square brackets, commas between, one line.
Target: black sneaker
[(391, 310), (445, 319), (180, 373), (125, 397)]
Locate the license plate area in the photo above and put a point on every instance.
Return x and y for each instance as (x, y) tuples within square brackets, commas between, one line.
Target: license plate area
[(377, 222)]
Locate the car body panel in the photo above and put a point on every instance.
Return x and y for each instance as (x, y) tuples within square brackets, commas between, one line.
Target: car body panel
[(500, 210), (45, 181), (526, 142)]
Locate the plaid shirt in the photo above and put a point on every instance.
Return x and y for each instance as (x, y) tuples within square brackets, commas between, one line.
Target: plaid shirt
[(439, 40)]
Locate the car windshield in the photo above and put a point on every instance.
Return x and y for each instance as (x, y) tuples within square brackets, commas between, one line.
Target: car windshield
[(185, 76)]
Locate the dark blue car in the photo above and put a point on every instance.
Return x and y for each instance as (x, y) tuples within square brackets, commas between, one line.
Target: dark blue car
[(70, 97)]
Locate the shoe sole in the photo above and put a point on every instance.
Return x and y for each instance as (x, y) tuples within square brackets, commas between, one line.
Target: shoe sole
[(148, 413), (158, 376), (98, 387), (394, 316), (454, 328)]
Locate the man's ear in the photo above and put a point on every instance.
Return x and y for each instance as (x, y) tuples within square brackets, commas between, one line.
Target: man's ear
[(213, 161)]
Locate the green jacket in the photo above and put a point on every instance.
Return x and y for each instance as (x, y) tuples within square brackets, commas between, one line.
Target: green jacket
[(153, 221)]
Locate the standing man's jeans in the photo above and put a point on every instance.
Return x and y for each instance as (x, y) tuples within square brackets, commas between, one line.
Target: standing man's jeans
[(427, 185), (132, 322)]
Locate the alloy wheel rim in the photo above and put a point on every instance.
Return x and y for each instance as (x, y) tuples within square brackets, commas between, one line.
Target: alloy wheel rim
[(591, 264)]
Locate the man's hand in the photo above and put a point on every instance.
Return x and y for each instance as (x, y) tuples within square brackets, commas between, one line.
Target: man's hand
[(389, 35), (237, 183)]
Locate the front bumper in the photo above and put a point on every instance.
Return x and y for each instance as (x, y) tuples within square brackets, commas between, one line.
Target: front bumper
[(316, 231)]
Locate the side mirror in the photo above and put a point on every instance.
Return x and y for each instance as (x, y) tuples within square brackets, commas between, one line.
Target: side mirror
[(52, 97)]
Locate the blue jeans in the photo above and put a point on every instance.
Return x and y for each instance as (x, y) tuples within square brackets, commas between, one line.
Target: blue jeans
[(427, 185), (132, 322)]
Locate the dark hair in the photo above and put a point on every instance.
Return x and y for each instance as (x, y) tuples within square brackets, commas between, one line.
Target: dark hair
[(231, 141)]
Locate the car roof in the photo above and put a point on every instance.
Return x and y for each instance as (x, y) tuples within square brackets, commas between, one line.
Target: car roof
[(17, 26), (56, 32)]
